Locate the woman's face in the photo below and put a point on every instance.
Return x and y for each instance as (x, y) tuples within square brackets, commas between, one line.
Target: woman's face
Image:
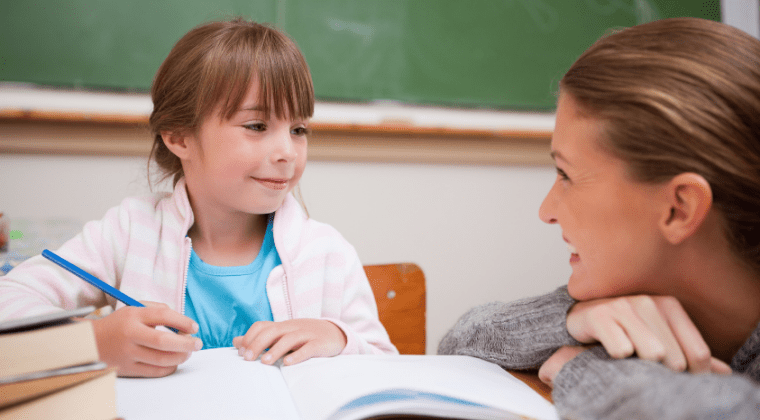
[(609, 221)]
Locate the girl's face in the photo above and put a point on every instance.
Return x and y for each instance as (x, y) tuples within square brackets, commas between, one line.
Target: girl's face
[(609, 221), (247, 163)]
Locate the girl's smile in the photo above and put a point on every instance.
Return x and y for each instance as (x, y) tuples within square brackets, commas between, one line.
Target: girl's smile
[(273, 183)]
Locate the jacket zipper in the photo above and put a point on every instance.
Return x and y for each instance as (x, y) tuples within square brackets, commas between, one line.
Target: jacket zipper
[(287, 296), (183, 292), (276, 239)]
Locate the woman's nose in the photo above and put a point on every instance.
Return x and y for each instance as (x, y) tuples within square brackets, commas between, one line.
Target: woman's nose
[(546, 210)]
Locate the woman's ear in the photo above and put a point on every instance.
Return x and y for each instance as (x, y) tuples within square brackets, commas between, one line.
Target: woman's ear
[(690, 199), (176, 142)]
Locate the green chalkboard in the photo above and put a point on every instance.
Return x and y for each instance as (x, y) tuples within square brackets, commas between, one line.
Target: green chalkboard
[(506, 54)]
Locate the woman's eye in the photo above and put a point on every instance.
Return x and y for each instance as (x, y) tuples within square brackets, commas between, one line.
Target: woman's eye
[(562, 175), (256, 126)]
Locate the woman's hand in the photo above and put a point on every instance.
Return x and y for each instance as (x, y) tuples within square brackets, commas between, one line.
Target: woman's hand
[(554, 364), (128, 339), (655, 328), (306, 338)]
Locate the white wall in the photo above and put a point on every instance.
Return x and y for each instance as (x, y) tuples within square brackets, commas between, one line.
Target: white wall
[(742, 14), (473, 230)]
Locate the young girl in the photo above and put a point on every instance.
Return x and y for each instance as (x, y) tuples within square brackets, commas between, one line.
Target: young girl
[(229, 256), (657, 148)]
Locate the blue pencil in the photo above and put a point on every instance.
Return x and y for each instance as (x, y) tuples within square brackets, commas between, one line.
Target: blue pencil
[(89, 278)]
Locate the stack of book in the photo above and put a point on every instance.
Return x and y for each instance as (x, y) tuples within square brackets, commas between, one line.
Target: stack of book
[(50, 368)]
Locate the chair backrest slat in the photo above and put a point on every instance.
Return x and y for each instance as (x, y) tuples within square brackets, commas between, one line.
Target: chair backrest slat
[(401, 298)]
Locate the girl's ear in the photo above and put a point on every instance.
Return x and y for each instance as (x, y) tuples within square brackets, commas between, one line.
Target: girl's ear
[(176, 142), (690, 199)]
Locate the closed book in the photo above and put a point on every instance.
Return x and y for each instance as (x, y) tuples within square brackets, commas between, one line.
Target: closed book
[(46, 342), (92, 399), (17, 389)]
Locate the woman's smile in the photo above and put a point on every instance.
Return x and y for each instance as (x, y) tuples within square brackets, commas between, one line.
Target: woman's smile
[(574, 257)]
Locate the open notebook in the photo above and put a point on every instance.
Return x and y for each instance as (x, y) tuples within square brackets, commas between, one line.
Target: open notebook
[(219, 384)]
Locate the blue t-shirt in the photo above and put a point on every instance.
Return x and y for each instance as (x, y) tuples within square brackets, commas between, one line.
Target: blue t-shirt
[(226, 301)]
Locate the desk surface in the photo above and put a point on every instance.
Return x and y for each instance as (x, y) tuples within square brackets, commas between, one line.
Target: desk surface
[(531, 379)]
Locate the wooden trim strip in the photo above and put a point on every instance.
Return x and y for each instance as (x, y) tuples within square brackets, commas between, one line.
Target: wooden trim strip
[(391, 128), (71, 117), (408, 131), (77, 133)]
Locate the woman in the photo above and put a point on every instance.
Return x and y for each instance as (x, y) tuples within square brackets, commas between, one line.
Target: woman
[(657, 148)]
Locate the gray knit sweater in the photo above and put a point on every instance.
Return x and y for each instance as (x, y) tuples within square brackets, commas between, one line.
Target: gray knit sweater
[(523, 334)]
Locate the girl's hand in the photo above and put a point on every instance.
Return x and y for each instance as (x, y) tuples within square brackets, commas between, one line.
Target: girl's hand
[(656, 328), (128, 339), (307, 338)]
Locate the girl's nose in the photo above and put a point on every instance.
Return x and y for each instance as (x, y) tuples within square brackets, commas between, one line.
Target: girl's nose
[(284, 150)]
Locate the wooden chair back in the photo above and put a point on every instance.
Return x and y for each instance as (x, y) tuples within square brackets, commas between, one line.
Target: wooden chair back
[(400, 295)]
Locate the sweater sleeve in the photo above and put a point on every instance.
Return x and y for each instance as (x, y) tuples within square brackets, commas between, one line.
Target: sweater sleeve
[(593, 386), (517, 335)]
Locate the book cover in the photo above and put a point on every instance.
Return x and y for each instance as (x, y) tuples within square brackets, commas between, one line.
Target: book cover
[(46, 342), (44, 320), (16, 389), (92, 399)]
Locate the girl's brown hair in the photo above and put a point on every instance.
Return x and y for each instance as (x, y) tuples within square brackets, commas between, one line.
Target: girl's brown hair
[(213, 65), (682, 95)]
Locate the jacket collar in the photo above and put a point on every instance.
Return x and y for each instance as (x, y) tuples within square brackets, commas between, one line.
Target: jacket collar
[(288, 223), (182, 205)]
